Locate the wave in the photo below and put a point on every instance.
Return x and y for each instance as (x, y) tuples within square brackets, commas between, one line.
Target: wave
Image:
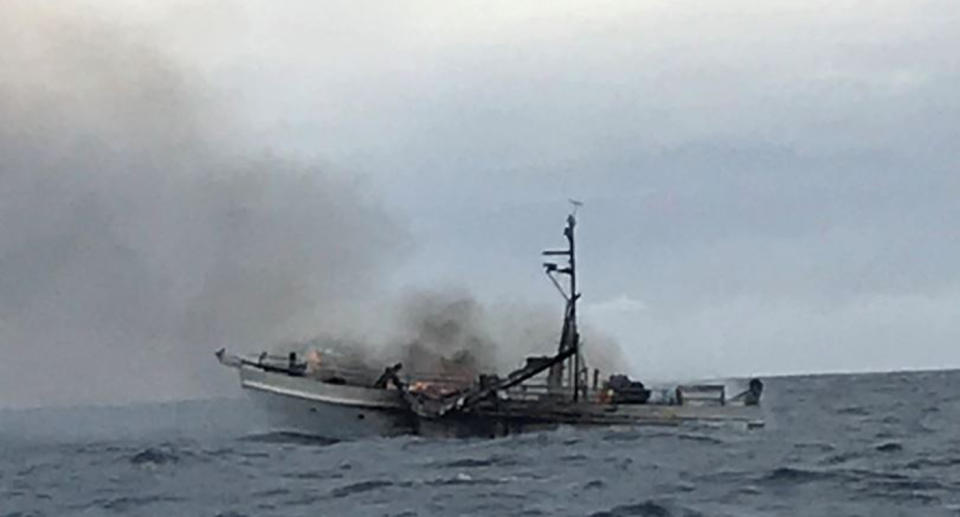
[(362, 486), (286, 437), (492, 461), (647, 509), (154, 456)]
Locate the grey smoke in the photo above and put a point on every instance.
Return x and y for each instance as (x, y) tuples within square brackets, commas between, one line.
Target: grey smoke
[(142, 228), (139, 233), (450, 333), (439, 327), (445, 331)]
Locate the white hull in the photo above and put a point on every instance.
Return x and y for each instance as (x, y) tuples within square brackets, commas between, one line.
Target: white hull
[(340, 412)]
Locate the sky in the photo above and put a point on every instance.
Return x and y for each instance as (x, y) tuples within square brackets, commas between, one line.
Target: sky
[(768, 187)]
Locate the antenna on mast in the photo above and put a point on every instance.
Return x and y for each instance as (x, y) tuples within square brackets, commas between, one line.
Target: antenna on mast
[(570, 336)]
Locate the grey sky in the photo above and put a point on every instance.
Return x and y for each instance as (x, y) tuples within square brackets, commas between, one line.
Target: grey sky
[(770, 187)]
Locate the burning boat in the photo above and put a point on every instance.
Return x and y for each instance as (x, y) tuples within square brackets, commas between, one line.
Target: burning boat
[(319, 394)]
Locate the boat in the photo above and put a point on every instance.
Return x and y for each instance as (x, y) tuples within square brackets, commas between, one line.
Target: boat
[(321, 403), (322, 394)]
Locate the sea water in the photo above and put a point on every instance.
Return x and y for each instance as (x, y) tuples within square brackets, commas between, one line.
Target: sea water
[(870, 445)]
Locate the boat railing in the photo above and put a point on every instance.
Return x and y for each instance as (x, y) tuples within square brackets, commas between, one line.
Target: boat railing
[(325, 371), (701, 394), (538, 391), (342, 371), (434, 378)]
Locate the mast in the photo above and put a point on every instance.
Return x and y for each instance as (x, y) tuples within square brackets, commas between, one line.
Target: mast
[(570, 336), (569, 348), (575, 333)]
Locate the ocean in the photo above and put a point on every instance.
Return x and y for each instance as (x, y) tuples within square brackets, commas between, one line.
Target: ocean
[(834, 445)]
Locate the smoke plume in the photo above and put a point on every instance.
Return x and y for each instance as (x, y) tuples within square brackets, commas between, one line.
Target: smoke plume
[(450, 331), (142, 230), (139, 233)]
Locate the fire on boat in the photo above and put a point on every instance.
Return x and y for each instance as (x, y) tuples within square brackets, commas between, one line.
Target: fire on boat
[(322, 394)]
